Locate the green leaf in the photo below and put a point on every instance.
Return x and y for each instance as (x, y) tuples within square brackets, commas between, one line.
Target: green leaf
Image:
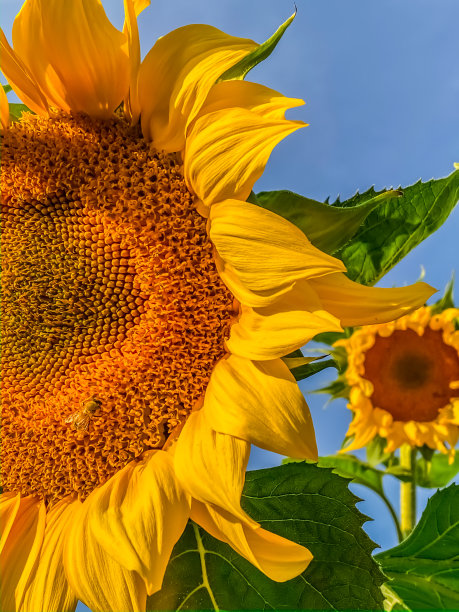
[(309, 369), (301, 502), (392, 230), (328, 227), (436, 473), (329, 337), (16, 111), (7, 88), (350, 466), (262, 52), (424, 569)]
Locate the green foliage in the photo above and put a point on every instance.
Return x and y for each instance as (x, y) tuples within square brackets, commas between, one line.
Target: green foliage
[(424, 569), (392, 230), (375, 451), (262, 52), (436, 473), (7, 88), (328, 227), (304, 503)]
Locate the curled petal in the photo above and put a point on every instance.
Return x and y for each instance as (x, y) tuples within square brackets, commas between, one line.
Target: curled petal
[(260, 402), (355, 304), (176, 76), (266, 253), (280, 559)]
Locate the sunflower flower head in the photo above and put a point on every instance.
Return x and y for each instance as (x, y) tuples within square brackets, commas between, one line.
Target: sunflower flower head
[(146, 306), (403, 381)]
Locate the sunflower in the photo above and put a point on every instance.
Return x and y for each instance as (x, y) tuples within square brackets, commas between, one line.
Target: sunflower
[(404, 381), (146, 306)]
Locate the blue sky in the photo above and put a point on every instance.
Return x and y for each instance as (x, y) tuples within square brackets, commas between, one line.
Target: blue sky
[(381, 86)]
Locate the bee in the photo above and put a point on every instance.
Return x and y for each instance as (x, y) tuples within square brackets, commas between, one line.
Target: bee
[(81, 419)]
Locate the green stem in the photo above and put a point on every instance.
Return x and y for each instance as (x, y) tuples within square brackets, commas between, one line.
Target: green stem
[(408, 490), (394, 516)]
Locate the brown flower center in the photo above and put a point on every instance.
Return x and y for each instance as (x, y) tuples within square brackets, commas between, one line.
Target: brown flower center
[(113, 314), (411, 374)]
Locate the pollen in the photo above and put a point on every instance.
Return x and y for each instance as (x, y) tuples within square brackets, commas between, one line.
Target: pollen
[(113, 313)]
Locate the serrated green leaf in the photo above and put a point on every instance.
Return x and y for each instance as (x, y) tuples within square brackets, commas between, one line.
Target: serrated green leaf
[(7, 88), (392, 230), (16, 111), (350, 466), (262, 52), (424, 569), (329, 228), (436, 473), (301, 502)]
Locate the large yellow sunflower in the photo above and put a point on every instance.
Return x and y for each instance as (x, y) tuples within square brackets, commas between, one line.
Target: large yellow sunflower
[(146, 306), (404, 381)]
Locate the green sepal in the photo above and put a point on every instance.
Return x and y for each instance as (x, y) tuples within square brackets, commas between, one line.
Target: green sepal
[(447, 299), (262, 52), (375, 451), (7, 88), (309, 369), (392, 230), (16, 111), (303, 503), (328, 227), (424, 568)]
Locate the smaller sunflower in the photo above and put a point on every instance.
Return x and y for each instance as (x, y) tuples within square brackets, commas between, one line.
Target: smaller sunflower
[(404, 381)]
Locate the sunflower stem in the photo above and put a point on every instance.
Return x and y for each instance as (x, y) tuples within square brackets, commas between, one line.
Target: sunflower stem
[(408, 490)]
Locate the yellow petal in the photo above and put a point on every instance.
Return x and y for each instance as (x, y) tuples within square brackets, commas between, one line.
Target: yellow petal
[(138, 516), (46, 587), (79, 59), (252, 96), (96, 578), (176, 76), (260, 402), (132, 8), (280, 328), (227, 151), (9, 507), (211, 466), (355, 304), (22, 82), (267, 253), (280, 559), (4, 110), (21, 549)]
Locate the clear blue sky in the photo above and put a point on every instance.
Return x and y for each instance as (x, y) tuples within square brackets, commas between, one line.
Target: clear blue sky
[(381, 85)]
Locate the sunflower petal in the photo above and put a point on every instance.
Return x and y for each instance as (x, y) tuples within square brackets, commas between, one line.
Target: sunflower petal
[(9, 507), (131, 11), (46, 587), (79, 59), (21, 81), (355, 304), (4, 110), (260, 402), (252, 96), (138, 516), (266, 253), (176, 76), (211, 466), (280, 559), (227, 151), (21, 548), (278, 329), (92, 573)]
